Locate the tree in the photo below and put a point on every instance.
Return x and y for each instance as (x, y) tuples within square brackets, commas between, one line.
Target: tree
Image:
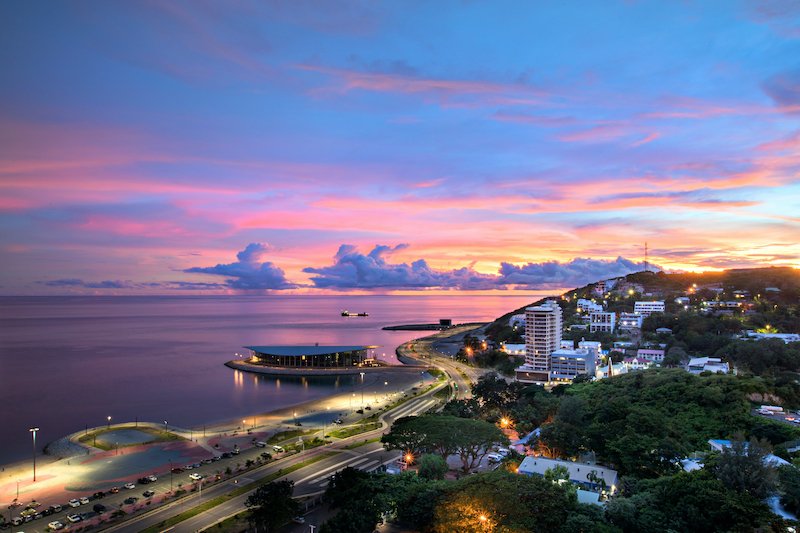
[(445, 435), (743, 467), (556, 474), (789, 478), (272, 505), (675, 356), (432, 467), (501, 501)]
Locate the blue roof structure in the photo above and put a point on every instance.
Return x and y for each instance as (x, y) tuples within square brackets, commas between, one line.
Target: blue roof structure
[(294, 351)]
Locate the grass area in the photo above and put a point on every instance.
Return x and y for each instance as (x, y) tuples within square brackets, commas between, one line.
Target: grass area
[(210, 504), (349, 431), (291, 434), (360, 443), (157, 434), (443, 393)]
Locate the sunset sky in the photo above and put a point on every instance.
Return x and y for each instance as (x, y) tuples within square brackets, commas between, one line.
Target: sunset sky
[(317, 146)]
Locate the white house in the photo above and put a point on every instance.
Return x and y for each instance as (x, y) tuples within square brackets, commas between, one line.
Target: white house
[(785, 337), (630, 321), (707, 364), (513, 349), (587, 306), (647, 308), (587, 476), (637, 363)]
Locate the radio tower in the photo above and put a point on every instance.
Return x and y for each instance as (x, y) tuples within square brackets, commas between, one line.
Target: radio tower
[(646, 264)]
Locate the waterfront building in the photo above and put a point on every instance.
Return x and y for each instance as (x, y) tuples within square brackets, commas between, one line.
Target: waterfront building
[(647, 308), (542, 338), (602, 322), (310, 356)]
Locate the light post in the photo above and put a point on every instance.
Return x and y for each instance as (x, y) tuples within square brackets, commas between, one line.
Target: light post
[(295, 417), (385, 384), (33, 434), (362, 389), (108, 419), (166, 430)]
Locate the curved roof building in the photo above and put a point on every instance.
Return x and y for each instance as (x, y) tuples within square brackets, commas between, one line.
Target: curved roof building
[(310, 356)]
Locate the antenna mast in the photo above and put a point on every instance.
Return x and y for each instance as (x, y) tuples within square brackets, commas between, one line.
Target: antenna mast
[(646, 263)]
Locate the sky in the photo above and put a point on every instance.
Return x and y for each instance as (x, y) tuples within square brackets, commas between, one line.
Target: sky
[(317, 146)]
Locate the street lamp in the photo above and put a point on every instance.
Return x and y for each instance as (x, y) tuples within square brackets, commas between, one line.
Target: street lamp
[(108, 418), (165, 427), (362, 389), (33, 434)]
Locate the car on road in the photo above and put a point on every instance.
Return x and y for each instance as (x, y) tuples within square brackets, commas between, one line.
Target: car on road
[(152, 478), (227, 455), (73, 518), (55, 508), (261, 444), (338, 421), (99, 508), (368, 408), (278, 449), (195, 476), (188, 467), (299, 520), (130, 500), (84, 500), (360, 411), (74, 503), (55, 525), (129, 486), (114, 490), (148, 493), (99, 494)]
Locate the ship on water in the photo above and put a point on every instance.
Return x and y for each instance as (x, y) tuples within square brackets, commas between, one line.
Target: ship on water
[(348, 313)]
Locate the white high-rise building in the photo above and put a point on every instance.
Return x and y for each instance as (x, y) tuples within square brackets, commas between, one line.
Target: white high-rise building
[(542, 338)]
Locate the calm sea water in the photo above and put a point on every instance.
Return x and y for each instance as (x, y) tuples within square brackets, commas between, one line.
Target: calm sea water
[(67, 362)]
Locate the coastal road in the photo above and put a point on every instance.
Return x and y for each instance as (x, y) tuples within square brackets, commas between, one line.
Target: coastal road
[(310, 479)]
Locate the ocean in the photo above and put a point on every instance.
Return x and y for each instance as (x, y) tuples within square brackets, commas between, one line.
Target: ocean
[(69, 362)]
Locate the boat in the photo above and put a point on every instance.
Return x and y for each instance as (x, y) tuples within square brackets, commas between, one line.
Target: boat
[(348, 313)]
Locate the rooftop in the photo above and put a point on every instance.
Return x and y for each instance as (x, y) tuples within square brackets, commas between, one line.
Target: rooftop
[(305, 350)]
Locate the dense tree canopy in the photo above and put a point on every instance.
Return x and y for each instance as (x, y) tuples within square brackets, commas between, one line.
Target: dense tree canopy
[(271, 505)]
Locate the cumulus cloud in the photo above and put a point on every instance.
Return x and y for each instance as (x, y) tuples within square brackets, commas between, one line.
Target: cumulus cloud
[(576, 273), (354, 270), (249, 271)]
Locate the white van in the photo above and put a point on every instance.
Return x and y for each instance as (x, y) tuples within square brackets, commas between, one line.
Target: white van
[(277, 449)]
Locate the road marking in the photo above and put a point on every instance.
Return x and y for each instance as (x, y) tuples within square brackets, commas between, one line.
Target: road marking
[(339, 465)]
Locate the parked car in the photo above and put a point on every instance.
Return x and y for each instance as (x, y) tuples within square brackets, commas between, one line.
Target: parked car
[(55, 508), (216, 458), (338, 421), (99, 508), (278, 449), (55, 525), (360, 411), (73, 518), (99, 494), (177, 470), (143, 481), (188, 467), (84, 500), (148, 493), (47, 512), (114, 490), (74, 503), (129, 486), (226, 455), (261, 444), (299, 520), (130, 500), (368, 408), (152, 478), (195, 476)]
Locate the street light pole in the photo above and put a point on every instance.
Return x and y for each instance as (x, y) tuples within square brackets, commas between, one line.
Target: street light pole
[(108, 418), (33, 433)]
